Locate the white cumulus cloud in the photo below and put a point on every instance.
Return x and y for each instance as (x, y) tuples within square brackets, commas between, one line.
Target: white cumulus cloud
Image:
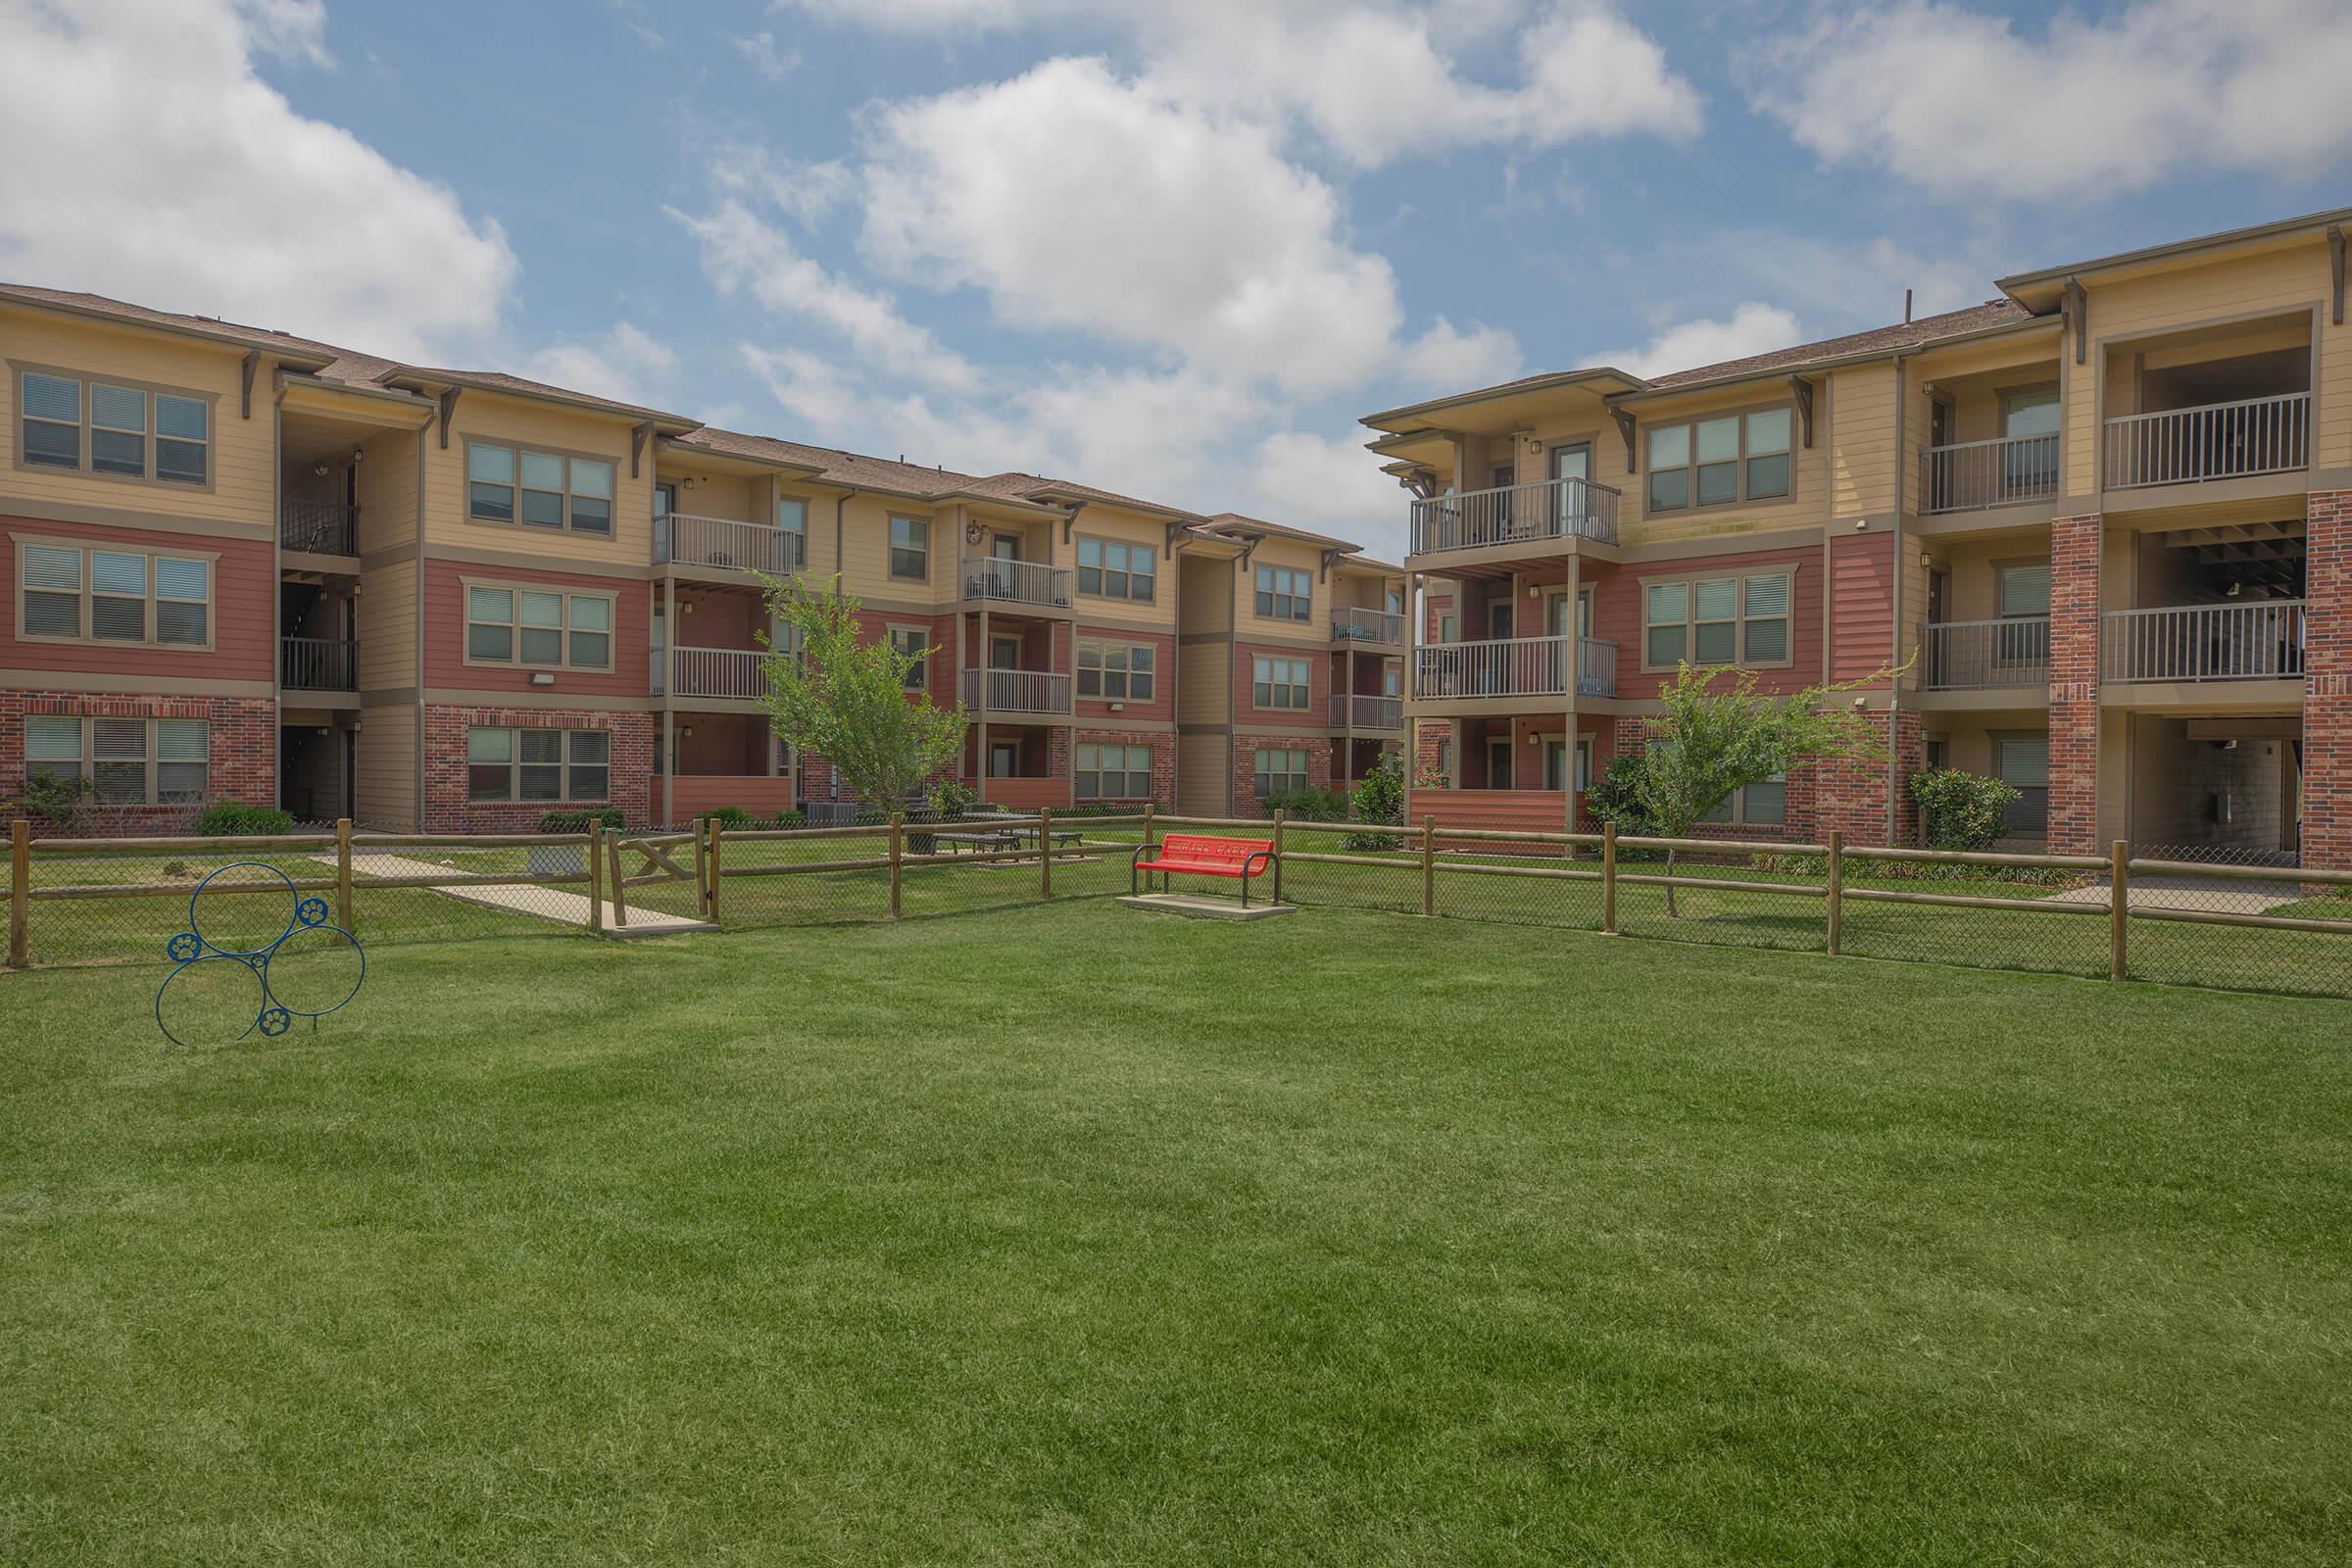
[(626, 363), (1750, 328)]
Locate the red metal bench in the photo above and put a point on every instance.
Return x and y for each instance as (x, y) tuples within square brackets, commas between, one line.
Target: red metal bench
[(1196, 854)]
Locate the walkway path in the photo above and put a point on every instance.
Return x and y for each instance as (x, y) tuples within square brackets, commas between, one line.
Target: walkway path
[(2227, 895), (558, 905)]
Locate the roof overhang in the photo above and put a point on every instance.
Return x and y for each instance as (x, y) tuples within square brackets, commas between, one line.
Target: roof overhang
[(1603, 380), (283, 353), (1782, 372), (734, 462), (434, 382), (2040, 290)]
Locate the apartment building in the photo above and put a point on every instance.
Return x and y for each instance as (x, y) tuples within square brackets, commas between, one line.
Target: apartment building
[(1290, 665), (2083, 536), (257, 567)]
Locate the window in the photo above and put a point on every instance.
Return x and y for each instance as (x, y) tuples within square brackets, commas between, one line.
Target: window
[(2023, 762), (1279, 682), (1715, 463), (538, 764), (540, 627), (1284, 594), (792, 519), (1445, 628), (1114, 570), (1764, 803), (130, 432), (538, 489), (1114, 772), (1280, 770), (116, 596), (1940, 753), (1445, 764), (914, 643), (911, 548), (1116, 672), (2023, 588), (1716, 620), (129, 762)]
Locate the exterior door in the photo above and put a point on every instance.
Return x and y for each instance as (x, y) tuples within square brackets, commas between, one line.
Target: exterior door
[(1499, 620), (1003, 652), (1498, 762), (1003, 760), (1555, 765), (1004, 546), (1573, 499)]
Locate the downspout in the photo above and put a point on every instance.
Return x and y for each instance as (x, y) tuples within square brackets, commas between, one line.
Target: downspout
[(1895, 693)]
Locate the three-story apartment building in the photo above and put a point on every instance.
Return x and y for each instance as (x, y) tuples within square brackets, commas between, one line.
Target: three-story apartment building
[(2080, 537), (257, 567)]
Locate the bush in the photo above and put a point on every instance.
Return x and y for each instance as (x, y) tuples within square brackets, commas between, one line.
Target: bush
[(236, 820), (1962, 810), (1616, 796), (728, 816), (952, 798), (1379, 799), (579, 822), (1814, 867), (784, 821), (1308, 805), (46, 799)]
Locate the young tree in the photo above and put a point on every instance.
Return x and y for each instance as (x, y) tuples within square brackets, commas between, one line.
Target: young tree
[(845, 698), (1715, 741)]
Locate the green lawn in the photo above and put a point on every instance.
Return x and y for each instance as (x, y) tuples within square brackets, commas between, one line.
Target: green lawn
[(1072, 1234)]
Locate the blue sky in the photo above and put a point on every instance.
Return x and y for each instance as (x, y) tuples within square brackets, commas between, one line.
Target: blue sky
[(1168, 248)]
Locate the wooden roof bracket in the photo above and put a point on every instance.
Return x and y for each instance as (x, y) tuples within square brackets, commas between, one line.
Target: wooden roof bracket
[(1804, 407), (449, 406), (1323, 570), (639, 435), (1173, 541), (252, 357), (1625, 428), (2078, 311), (1070, 517), (2335, 268)]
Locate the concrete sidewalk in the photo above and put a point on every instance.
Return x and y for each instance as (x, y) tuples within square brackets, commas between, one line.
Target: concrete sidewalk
[(558, 905)]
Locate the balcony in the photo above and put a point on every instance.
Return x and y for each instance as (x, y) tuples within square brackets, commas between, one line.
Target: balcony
[(1548, 511), (2257, 639), (317, 664), (1016, 691), (1511, 667), (1596, 668), (319, 528), (1349, 711), (1351, 625), (730, 673), (2214, 441), (993, 578), (1961, 656), (682, 539), (1975, 475)]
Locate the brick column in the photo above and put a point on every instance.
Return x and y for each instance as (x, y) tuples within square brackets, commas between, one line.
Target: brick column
[(2328, 682), (2075, 685)]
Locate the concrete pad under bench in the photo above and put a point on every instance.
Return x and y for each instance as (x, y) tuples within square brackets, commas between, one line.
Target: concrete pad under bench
[(1196, 907)]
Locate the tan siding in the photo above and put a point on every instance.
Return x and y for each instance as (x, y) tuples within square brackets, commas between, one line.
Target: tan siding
[(1861, 455), (387, 613), (516, 422), (1208, 604), (1203, 774), (1203, 695), (386, 767), (387, 491)]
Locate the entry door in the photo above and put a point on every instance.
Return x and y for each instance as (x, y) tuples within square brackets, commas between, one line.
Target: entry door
[(1572, 501), (1003, 760), (1504, 477), (1498, 762), (1499, 620), (1004, 546), (1555, 614), (1003, 652), (1555, 765)]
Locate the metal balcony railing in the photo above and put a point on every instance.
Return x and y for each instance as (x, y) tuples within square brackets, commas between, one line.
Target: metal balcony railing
[(1596, 668), (725, 673), (1976, 655), (1511, 667), (1352, 625), (2216, 441), (1020, 582), (1016, 691), (317, 664), (1356, 710), (683, 539), (319, 528), (2260, 638), (1515, 514), (1972, 475)]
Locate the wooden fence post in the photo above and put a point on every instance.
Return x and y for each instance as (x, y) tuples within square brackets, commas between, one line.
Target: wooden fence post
[(1428, 864), (1278, 854), (719, 831), (1608, 878), (701, 868), (595, 856), (343, 875), (620, 890), (19, 893), (1147, 824), (1044, 851), (898, 822), (2119, 907), (1837, 888)]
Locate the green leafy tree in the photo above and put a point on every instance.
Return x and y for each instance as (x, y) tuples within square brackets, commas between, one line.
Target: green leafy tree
[(832, 693), (1720, 735), (1962, 810), (1379, 800)]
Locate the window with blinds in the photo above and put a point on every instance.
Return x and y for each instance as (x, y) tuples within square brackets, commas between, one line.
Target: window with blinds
[(2023, 589), (1114, 772), (1716, 620), (537, 764), (543, 629), (2023, 762), (104, 428), (114, 596), (538, 489), (126, 762)]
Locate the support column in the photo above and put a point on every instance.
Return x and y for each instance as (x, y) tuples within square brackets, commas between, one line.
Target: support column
[(2327, 806), (980, 692), (669, 692), (2075, 546), (1572, 655)]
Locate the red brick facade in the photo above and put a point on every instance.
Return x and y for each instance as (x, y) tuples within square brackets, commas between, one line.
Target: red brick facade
[(2073, 823), (1849, 797), (242, 766), (2327, 683), (1245, 747), (448, 811), (1163, 760)]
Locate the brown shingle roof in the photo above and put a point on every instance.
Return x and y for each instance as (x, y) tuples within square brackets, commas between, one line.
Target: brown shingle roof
[(340, 363), (499, 381), (1878, 340), (853, 469), (1038, 487), (1237, 522)]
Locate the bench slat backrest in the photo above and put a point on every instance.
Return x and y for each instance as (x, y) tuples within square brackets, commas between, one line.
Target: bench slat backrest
[(1201, 848)]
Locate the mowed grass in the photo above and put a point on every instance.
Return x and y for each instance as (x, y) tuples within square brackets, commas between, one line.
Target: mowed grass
[(1067, 1233)]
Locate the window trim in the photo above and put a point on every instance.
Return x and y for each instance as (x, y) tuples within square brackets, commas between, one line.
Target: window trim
[(1993, 740), (514, 766), (1126, 774), (1691, 423), (1107, 544), (892, 631), (466, 624), (891, 547), (518, 447), (18, 369), (1306, 684), (1691, 580), (1258, 774), (1737, 801), (81, 637), (151, 760), (1305, 598), (1104, 647)]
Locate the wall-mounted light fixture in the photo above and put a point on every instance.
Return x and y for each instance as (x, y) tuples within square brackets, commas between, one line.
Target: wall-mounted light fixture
[(540, 677)]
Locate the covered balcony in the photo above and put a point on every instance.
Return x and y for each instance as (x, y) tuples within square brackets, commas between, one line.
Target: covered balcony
[(1016, 691), (1380, 628), (728, 760), (1985, 654), (1360, 712), (319, 663), (685, 539), (731, 674), (2225, 604), (2223, 402), (319, 528), (1541, 512), (996, 580), (1978, 476)]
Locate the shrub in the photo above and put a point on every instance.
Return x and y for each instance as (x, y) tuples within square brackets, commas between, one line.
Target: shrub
[(1961, 810), (1308, 805), (46, 799), (578, 822), (1379, 799), (1857, 869), (952, 798), (237, 820), (786, 820), (731, 816), (1616, 796)]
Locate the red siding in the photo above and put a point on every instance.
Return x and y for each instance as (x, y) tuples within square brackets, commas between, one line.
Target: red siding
[(692, 794), (445, 634), (1617, 616), (1027, 794), (1245, 711), (244, 608), (1162, 705), (1861, 605), (1507, 811)]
